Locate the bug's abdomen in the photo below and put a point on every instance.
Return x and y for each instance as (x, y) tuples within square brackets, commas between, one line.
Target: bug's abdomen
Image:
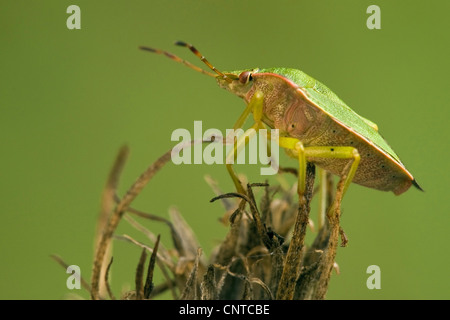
[(285, 109), (375, 170)]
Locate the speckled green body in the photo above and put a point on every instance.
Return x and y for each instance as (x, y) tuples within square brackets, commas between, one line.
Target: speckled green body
[(303, 108)]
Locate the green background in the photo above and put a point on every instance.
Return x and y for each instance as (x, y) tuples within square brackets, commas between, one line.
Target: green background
[(70, 98)]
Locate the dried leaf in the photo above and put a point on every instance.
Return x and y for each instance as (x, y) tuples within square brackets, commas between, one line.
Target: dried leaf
[(190, 290), (208, 286)]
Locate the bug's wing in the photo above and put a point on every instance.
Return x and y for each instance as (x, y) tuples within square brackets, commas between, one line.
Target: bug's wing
[(326, 100), (370, 123)]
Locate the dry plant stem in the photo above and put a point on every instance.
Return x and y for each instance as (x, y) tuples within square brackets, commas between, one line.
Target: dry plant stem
[(190, 290), (262, 231), (162, 263), (314, 261), (315, 280), (170, 283), (208, 285), (184, 238), (125, 237), (248, 280), (227, 248), (65, 265), (108, 288), (109, 191), (119, 210), (329, 255), (344, 239), (251, 263), (162, 251), (145, 215), (251, 279), (107, 205), (151, 267), (140, 276), (294, 257), (135, 189)]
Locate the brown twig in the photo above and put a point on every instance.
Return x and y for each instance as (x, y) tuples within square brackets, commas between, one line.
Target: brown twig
[(208, 286), (262, 231), (252, 252), (140, 276), (293, 257), (328, 258), (107, 205), (123, 205), (109, 191), (108, 287), (151, 267), (65, 265), (161, 261), (127, 238), (162, 251), (190, 290)]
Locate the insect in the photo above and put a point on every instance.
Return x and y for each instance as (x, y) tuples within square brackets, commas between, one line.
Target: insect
[(314, 125)]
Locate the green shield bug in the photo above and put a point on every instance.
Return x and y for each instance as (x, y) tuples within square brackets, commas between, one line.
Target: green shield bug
[(314, 125)]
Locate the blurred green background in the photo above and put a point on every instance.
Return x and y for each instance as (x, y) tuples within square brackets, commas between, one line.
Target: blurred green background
[(71, 98)]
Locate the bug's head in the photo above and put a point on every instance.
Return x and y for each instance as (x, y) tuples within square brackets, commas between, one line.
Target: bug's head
[(237, 82)]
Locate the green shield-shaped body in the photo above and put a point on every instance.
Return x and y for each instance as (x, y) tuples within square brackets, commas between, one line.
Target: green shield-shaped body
[(303, 108)]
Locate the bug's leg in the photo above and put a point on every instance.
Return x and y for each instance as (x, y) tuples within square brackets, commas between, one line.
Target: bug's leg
[(239, 123), (241, 120), (233, 154), (298, 149), (333, 152), (303, 153), (255, 105)]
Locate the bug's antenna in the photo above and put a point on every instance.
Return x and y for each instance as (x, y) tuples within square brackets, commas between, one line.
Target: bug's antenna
[(178, 59), (198, 54)]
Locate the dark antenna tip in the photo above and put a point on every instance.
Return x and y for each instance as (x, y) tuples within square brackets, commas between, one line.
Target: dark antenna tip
[(180, 43), (147, 49)]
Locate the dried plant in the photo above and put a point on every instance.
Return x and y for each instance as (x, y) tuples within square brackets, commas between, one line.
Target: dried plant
[(263, 255)]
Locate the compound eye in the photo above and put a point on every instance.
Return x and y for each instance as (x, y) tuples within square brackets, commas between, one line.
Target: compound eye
[(245, 77)]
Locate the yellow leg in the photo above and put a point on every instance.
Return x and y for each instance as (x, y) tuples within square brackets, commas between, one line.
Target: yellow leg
[(232, 156), (332, 152), (338, 153), (256, 106), (302, 153)]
